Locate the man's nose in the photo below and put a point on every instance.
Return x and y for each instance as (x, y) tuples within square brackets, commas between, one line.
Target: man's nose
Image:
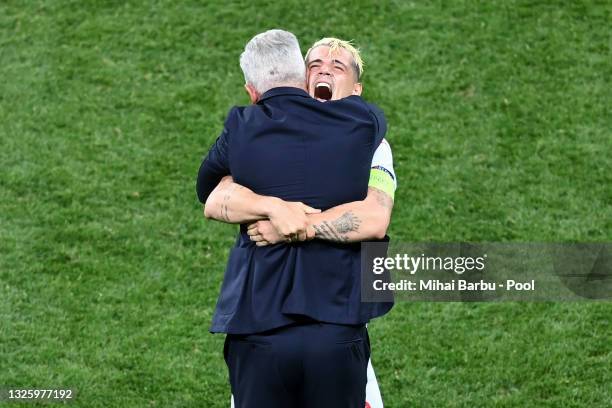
[(325, 70)]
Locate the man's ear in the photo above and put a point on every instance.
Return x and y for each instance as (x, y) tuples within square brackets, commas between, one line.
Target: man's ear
[(253, 94), (357, 88)]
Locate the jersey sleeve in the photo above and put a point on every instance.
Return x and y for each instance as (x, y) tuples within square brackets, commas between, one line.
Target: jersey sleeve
[(382, 175)]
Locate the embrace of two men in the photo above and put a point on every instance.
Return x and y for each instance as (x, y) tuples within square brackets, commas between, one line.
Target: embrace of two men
[(307, 174)]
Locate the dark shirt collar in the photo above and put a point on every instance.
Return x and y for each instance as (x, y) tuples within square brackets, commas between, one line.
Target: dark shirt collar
[(284, 91)]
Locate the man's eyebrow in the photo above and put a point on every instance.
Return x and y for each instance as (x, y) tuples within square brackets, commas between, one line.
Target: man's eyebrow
[(340, 63), (313, 61), (320, 61)]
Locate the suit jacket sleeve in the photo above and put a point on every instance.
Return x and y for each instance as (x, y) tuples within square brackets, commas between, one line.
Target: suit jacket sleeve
[(215, 165)]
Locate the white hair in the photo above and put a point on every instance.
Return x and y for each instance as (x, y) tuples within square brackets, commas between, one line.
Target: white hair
[(273, 58)]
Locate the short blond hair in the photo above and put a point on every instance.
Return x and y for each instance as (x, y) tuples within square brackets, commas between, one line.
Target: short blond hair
[(334, 44)]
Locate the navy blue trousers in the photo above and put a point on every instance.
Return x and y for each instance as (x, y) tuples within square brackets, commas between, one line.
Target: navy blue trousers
[(299, 366)]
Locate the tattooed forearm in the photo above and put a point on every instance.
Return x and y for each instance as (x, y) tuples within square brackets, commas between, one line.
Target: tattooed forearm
[(226, 200), (326, 232), (337, 229), (224, 211), (335, 236), (348, 222)]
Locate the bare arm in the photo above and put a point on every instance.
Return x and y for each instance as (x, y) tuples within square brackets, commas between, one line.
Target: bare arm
[(235, 204), (350, 222), (232, 203), (355, 221)]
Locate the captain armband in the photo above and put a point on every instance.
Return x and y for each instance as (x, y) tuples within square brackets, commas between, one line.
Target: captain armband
[(383, 180)]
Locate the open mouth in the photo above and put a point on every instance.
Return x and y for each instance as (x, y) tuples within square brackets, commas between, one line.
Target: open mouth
[(323, 91)]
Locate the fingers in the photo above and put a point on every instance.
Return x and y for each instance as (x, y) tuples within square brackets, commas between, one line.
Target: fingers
[(253, 229), (260, 240), (264, 233), (310, 232), (298, 237), (257, 238), (291, 232)]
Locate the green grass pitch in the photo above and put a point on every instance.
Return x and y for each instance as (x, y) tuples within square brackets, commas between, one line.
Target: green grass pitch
[(500, 122)]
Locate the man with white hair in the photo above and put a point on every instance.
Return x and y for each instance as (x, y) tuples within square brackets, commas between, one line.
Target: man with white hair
[(276, 299)]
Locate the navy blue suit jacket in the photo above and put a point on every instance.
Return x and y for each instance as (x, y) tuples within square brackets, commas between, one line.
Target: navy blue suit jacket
[(294, 147)]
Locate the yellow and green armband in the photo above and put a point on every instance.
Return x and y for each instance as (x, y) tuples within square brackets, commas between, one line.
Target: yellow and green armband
[(381, 179)]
